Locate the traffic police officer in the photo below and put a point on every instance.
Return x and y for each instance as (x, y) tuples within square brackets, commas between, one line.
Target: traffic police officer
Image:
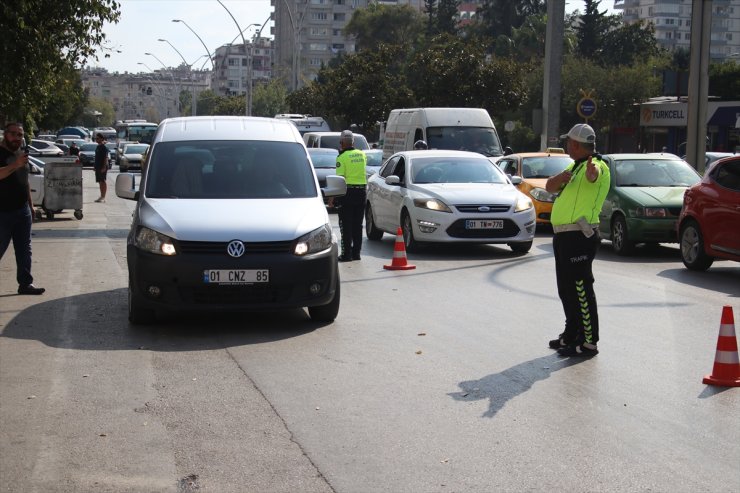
[(351, 165), (582, 188)]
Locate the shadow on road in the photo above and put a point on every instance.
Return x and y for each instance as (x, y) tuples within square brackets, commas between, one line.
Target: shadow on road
[(723, 277), (98, 322), (500, 388)]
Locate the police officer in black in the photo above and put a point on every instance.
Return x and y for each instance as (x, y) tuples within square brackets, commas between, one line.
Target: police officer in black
[(351, 165)]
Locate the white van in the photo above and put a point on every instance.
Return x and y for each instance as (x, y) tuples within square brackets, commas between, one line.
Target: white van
[(230, 217), (305, 123), (466, 129)]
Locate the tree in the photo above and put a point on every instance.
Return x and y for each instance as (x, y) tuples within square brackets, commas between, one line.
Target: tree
[(41, 38), (724, 80), (500, 17), (447, 16), (66, 101), (593, 26), (269, 99), (627, 45), (430, 8), (207, 101), (384, 24), (105, 109)]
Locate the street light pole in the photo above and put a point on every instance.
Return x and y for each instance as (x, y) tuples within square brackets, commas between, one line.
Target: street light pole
[(190, 71), (208, 52), (248, 91), (174, 84)]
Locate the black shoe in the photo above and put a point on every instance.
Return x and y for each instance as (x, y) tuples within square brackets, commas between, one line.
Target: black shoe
[(30, 289), (579, 350), (344, 258), (557, 343), (356, 257)]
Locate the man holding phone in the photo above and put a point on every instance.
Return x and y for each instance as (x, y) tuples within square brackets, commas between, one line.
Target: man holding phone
[(16, 206)]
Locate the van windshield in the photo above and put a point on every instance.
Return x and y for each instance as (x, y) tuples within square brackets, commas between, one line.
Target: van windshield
[(229, 170), (475, 139)]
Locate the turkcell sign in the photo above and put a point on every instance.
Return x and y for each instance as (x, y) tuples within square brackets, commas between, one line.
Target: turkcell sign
[(664, 115)]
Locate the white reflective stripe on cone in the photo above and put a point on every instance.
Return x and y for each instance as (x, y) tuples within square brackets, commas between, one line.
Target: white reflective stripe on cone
[(727, 357)]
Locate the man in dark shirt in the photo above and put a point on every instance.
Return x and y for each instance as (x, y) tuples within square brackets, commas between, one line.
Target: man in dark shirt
[(101, 166), (16, 206)]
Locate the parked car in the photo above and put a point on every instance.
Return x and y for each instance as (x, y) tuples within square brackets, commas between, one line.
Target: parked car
[(87, 154), (131, 156), (374, 161), (709, 224), (535, 168), (447, 197), (47, 137), (64, 148), (230, 219), (112, 153), (644, 199), (44, 148), (331, 140), (68, 142)]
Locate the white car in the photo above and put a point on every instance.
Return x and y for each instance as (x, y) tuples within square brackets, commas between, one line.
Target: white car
[(447, 197), (131, 156), (36, 180)]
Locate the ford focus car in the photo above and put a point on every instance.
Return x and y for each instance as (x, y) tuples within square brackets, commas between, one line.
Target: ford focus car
[(230, 217), (439, 196)]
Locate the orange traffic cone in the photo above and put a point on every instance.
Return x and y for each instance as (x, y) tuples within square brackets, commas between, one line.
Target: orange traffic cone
[(726, 372), (399, 255)]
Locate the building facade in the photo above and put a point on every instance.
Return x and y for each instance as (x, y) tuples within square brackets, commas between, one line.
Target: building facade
[(232, 62), (672, 20)]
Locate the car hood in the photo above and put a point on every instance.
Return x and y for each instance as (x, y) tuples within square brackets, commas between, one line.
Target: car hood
[(654, 196), (250, 220), (535, 182), (470, 193)]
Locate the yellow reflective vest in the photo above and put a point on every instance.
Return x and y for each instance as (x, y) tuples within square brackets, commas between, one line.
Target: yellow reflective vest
[(351, 165)]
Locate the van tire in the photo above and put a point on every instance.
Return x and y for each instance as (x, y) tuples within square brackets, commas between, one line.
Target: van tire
[(371, 230), (327, 313)]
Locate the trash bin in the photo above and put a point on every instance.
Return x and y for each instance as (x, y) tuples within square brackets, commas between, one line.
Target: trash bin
[(62, 188)]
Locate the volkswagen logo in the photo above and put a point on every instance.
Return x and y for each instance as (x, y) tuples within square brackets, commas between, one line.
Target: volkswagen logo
[(484, 208), (235, 248)]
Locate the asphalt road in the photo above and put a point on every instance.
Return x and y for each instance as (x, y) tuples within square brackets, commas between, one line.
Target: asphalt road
[(437, 379)]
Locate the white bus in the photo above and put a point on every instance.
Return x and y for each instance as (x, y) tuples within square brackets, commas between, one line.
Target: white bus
[(135, 131)]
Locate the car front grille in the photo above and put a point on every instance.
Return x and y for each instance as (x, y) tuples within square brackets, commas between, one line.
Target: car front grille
[(219, 248), (476, 208), (457, 230), (254, 294)]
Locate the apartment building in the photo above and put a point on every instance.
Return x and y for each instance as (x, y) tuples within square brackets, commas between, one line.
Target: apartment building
[(672, 20), (231, 66)]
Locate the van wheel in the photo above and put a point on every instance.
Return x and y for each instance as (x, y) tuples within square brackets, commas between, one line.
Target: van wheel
[(137, 314), (692, 247), (522, 247), (371, 230), (327, 313)]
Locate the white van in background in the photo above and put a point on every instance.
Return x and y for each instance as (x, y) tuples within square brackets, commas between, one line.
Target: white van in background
[(467, 129), (305, 123)]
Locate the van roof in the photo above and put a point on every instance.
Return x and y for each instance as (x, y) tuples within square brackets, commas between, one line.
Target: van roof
[(227, 128), (447, 117)]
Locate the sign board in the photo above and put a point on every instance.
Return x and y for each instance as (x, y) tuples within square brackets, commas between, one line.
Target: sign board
[(586, 107)]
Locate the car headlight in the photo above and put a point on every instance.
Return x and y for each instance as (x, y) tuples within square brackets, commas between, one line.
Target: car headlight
[(650, 212), (316, 241), (431, 204), (153, 242), (542, 195), (523, 203)]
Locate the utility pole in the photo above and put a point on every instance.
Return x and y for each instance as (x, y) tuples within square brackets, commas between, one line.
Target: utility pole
[(553, 64), (696, 128)]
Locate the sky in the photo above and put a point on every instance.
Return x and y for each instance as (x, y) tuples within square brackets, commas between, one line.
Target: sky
[(144, 22)]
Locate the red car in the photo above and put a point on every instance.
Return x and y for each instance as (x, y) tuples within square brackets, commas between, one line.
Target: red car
[(709, 224)]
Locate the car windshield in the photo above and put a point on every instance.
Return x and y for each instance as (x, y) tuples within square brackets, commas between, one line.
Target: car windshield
[(324, 159), (137, 149), (655, 173), (474, 139), (455, 170), (374, 158), (544, 166), (229, 170), (88, 147)]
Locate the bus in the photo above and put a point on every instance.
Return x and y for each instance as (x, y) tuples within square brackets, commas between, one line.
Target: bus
[(109, 133), (135, 131)]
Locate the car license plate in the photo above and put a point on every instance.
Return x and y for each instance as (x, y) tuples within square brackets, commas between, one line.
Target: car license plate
[(235, 276), (484, 224)]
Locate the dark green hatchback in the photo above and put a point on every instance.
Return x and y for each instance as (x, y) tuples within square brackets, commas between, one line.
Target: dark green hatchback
[(644, 199)]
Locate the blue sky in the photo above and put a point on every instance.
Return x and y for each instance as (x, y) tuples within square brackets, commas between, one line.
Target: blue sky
[(143, 22)]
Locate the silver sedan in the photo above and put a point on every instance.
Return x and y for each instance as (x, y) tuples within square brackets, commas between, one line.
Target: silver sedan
[(447, 197)]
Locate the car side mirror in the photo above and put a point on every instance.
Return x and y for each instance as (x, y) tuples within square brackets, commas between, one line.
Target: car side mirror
[(392, 180)]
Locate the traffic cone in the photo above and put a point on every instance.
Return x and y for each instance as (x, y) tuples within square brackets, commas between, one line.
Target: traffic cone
[(399, 255), (726, 372)]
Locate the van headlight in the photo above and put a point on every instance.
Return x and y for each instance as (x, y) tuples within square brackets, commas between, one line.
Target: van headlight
[(153, 242), (317, 240), (523, 203)]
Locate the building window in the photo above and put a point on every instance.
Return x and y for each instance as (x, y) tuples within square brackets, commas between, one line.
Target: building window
[(319, 31), (315, 62), (339, 17), (319, 16), (233, 62)]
